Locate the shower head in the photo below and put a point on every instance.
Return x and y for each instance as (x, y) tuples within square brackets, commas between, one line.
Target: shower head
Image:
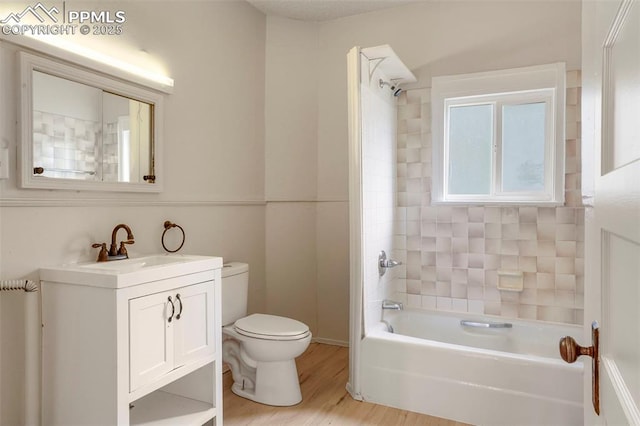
[(394, 88)]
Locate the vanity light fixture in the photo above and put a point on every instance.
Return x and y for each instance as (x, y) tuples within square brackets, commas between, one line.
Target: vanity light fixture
[(88, 57)]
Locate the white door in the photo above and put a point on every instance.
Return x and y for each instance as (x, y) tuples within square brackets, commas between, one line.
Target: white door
[(194, 328), (151, 354), (611, 132)]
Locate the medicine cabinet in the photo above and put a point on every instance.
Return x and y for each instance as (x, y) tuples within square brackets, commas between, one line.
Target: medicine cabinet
[(83, 130)]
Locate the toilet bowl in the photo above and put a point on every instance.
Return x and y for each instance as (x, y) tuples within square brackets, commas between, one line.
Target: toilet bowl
[(260, 349)]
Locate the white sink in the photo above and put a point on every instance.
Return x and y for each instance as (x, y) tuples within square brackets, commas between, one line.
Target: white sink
[(128, 272), (128, 265)]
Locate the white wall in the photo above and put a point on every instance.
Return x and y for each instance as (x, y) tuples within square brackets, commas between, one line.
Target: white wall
[(214, 161), (290, 176), (307, 238), (291, 126)]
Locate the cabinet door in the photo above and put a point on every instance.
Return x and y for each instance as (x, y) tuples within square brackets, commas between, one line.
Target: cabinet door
[(150, 338), (194, 331)]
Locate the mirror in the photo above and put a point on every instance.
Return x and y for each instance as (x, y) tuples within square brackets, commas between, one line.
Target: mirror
[(83, 130)]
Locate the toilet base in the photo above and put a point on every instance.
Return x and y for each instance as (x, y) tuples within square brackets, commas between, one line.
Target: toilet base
[(276, 384)]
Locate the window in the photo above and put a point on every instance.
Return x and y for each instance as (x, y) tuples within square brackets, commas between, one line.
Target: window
[(498, 137)]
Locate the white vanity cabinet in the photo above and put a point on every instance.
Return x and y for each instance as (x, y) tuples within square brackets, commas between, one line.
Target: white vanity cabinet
[(133, 343), (168, 330)]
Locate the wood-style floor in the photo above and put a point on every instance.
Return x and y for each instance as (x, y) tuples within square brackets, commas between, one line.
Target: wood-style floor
[(323, 371)]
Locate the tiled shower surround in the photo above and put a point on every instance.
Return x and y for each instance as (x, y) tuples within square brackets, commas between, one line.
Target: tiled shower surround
[(378, 191), (453, 253)]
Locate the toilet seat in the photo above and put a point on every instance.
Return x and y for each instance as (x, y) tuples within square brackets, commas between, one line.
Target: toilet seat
[(271, 327)]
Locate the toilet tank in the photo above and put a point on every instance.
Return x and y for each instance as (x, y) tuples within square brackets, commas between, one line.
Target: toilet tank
[(235, 286)]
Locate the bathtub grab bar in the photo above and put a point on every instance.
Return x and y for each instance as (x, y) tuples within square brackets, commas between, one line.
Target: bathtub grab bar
[(483, 324)]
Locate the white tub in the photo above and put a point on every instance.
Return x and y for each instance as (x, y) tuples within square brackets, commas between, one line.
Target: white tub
[(510, 376)]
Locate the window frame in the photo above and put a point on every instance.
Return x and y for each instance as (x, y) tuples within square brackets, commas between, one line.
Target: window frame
[(545, 83)]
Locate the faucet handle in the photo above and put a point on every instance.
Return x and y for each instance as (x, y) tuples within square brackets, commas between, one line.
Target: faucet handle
[(103, 256), (123, 249)]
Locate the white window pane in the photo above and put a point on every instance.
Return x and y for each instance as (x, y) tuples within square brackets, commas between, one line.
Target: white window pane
[(470, 148), (523, 143)]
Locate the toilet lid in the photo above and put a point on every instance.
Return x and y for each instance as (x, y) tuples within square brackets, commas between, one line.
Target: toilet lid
[(271, 327)]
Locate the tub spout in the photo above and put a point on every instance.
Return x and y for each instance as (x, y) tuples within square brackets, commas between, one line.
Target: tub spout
[(390, 304)]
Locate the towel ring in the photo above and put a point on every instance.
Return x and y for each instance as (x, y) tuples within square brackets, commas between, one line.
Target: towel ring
[(168, 225)]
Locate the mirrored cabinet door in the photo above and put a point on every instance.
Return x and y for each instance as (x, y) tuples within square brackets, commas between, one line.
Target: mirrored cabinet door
[(85, 131), (126, 139)]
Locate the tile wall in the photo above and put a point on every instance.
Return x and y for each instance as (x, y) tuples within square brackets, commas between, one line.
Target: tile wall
[(378, 193), (452, 254)]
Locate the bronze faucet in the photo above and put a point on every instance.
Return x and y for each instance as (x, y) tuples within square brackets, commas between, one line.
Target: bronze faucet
[(114, 252)]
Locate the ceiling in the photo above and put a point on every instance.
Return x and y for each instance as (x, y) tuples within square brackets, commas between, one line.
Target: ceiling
[(322, 10)]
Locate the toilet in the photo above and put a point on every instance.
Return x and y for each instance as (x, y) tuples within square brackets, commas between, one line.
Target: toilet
[(260, 349)]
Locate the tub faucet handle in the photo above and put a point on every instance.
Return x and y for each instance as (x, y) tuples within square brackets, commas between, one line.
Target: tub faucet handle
[(384, 263), (390, 263)]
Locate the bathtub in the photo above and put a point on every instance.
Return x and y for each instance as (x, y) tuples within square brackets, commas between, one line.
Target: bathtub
[(483, 376)]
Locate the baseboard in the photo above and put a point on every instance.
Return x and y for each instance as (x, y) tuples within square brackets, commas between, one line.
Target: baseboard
[(329, 341), (355, 395)]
